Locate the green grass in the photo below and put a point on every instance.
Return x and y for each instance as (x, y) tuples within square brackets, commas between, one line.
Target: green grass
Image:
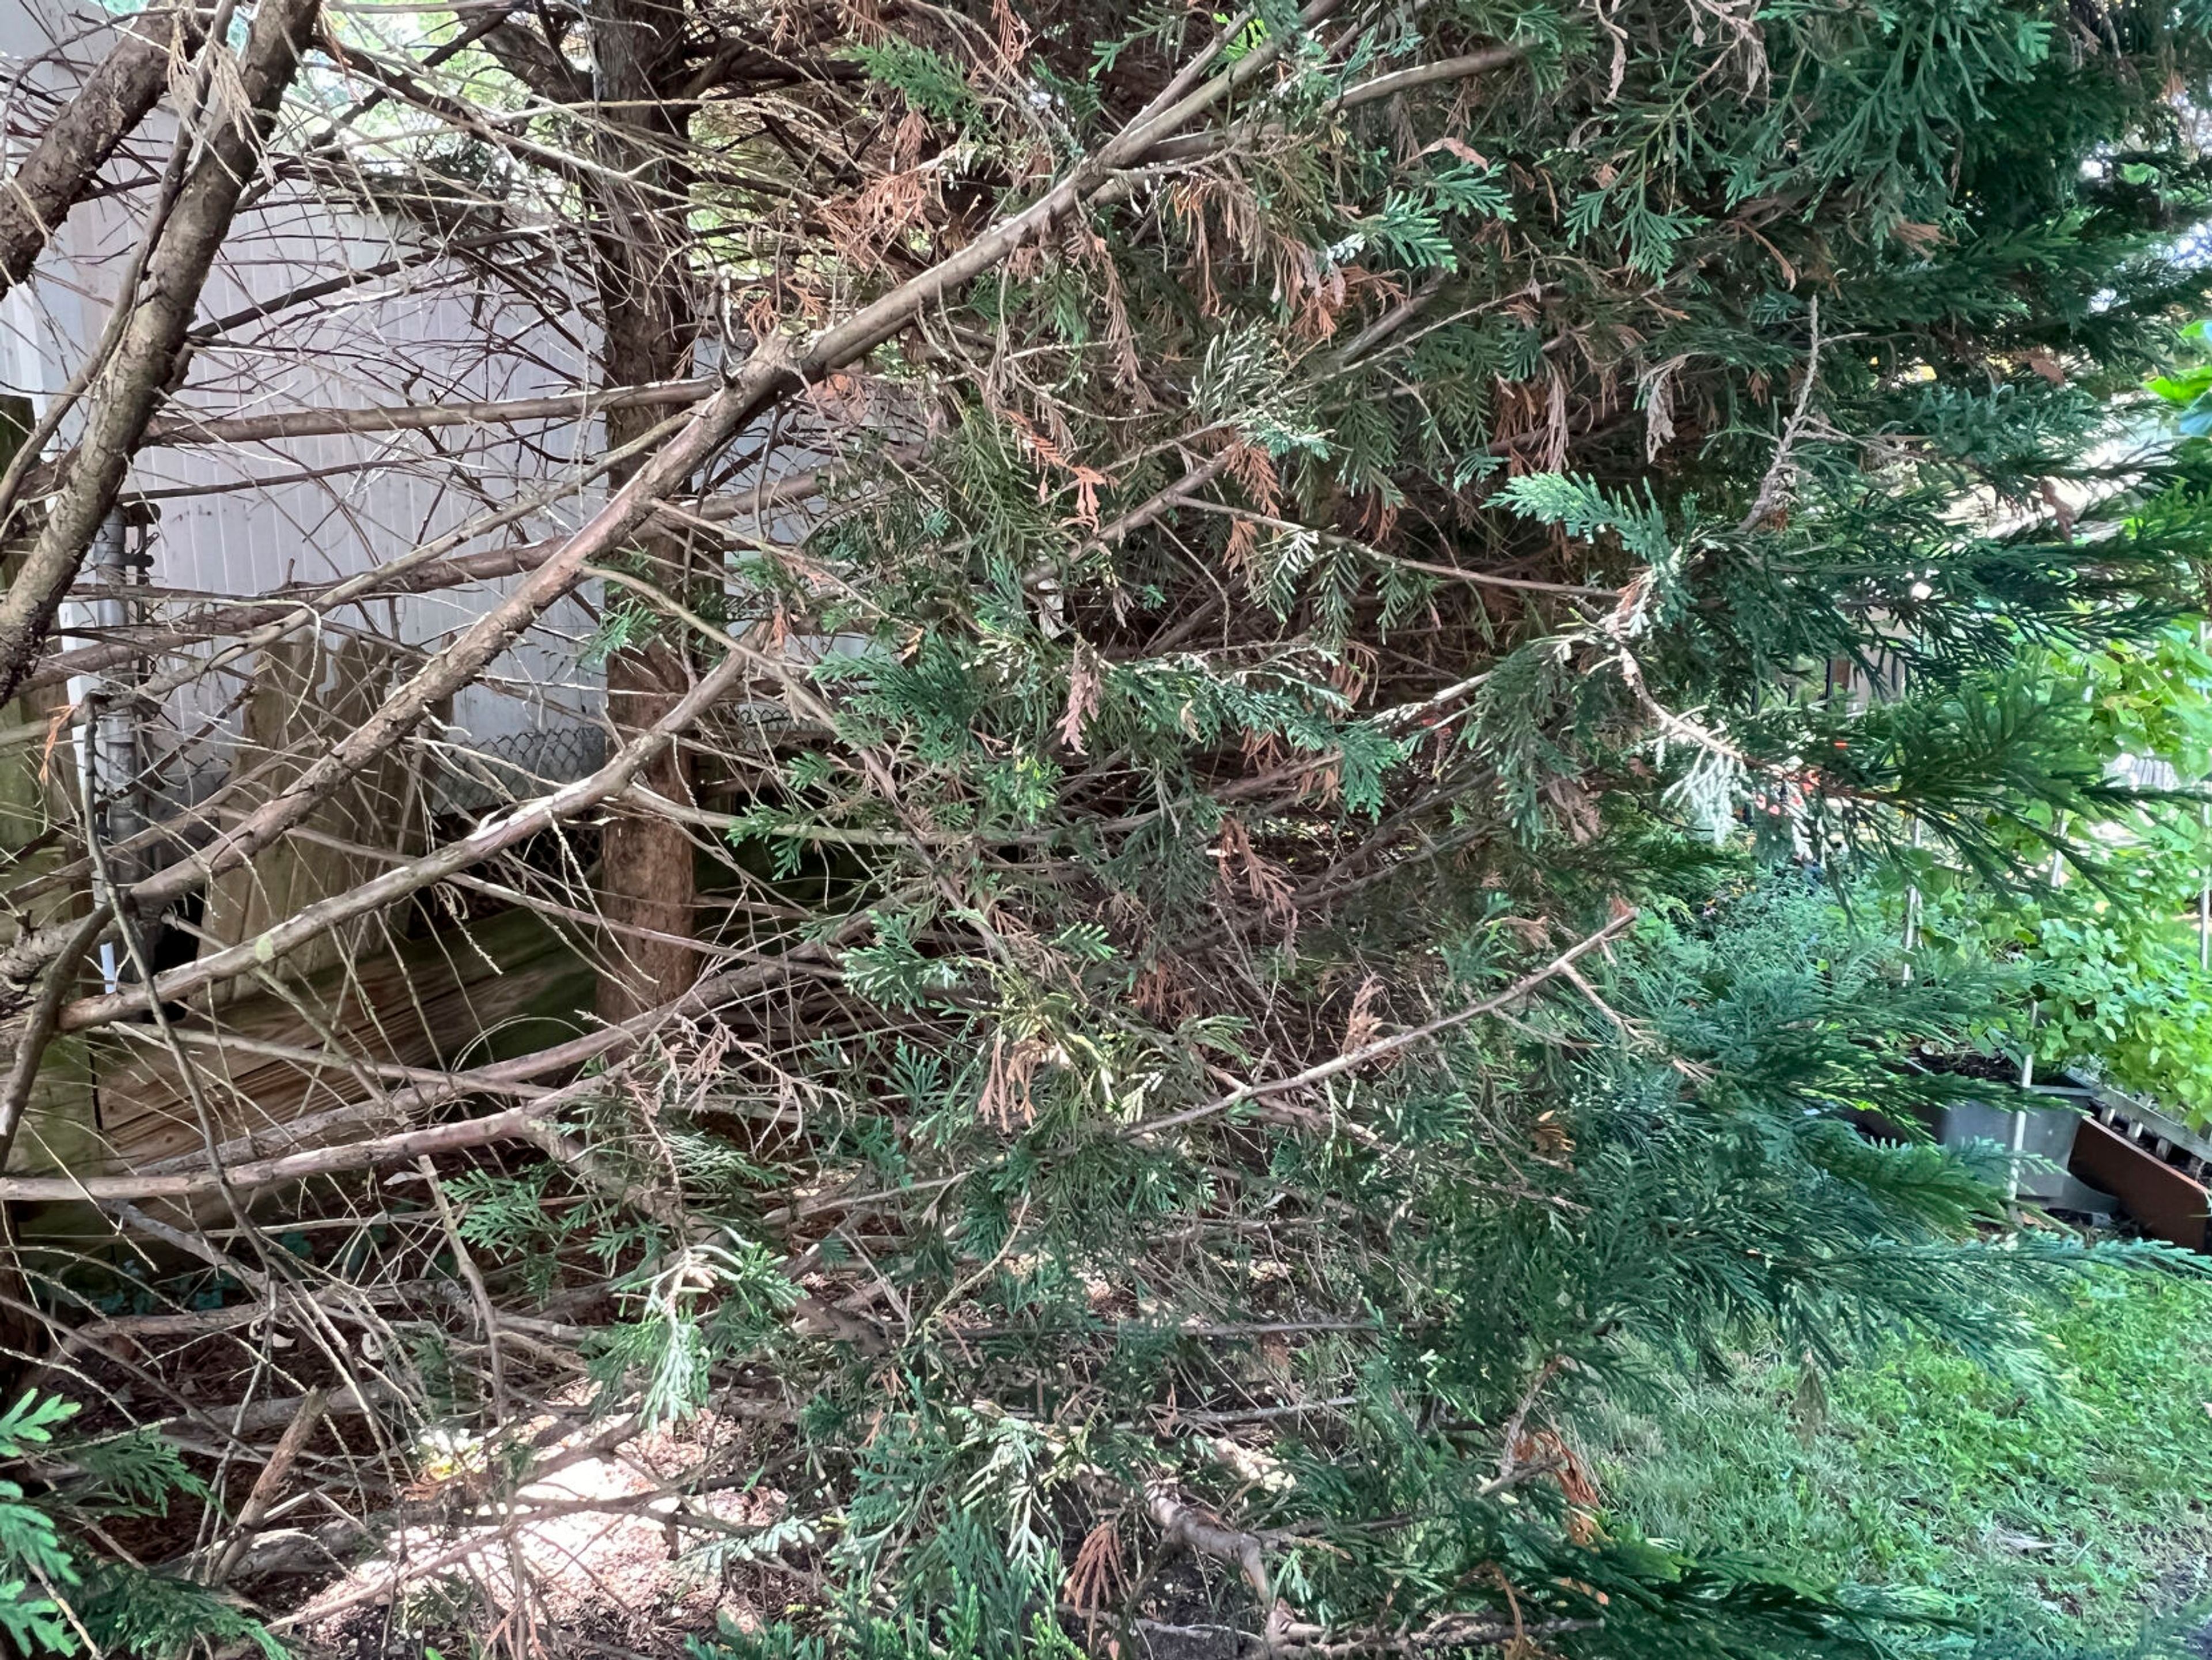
[(2073, 1519)]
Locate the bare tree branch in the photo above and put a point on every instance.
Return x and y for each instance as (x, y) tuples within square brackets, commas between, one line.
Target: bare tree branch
[(125, 392), (78, 142)]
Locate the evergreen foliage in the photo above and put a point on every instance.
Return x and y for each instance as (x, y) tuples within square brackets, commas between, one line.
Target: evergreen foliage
[(1416, 532), (62, 1590), (1320, 753)]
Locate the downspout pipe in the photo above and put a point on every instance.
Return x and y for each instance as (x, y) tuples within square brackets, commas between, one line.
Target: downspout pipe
[(107, 740)]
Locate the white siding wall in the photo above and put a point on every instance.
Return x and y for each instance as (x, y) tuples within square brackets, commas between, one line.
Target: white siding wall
[(430, 334)]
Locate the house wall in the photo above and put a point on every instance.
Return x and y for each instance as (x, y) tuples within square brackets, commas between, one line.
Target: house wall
[(239, 519)]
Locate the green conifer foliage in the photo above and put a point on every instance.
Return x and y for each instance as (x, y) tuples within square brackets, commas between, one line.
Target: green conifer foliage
[(1369, 595)]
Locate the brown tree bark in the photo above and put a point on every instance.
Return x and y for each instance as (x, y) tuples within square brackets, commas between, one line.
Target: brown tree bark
[(646, 879), (125, 393), (78, 142)]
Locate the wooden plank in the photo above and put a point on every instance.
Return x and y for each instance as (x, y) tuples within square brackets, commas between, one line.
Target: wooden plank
[(37, 785), (2137, 1111), (307, 694), (462, 995), (2165, 1203)]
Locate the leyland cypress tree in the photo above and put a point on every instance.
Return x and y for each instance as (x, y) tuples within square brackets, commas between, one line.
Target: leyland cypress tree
[(1341, 625), (1307, 767)]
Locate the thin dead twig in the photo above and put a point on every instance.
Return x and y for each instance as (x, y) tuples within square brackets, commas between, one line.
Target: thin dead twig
[(267, 1485), (1387, 1046)]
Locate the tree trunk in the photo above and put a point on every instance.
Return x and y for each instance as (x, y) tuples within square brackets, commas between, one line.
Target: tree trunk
[(648, 879)]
